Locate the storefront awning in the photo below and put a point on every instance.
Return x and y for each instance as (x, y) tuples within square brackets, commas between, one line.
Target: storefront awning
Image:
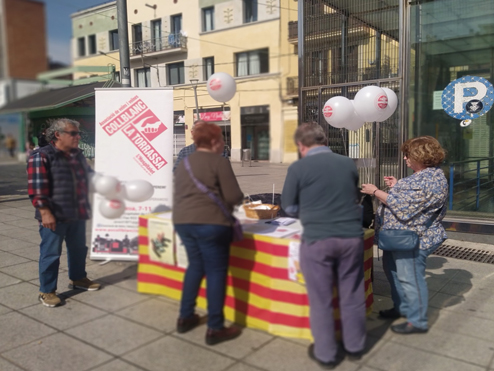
[(52, 99)]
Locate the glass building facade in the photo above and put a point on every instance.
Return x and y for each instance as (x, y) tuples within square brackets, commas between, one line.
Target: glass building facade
[(416, 48)]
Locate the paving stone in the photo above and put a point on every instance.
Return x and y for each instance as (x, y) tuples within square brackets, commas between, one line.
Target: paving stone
[(243, 367), (114, 334), (19, 296), (281, 354), (397, 357), (6, 280), (4, 310), (29, 224), (58, 352), (460, 347), (7, 366), (18, 329), (31, 237), (8, 259), (128, 284), (25, 271), (19, 212), (112, 272), (71, 314), (7, 227), (177, 355), (153, 313), (13, 244), (459, 323), (249, 341), (111, 298), (117, 365)]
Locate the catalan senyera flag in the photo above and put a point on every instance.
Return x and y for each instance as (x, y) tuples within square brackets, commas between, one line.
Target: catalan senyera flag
[(259, 293)]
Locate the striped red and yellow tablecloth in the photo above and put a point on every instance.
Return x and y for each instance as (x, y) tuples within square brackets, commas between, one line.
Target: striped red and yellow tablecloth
[(259, 292)]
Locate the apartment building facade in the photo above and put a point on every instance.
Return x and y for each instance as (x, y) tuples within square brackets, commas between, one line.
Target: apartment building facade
[(183, 43)]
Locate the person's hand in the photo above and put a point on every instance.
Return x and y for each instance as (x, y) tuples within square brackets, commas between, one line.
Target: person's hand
[(390, 181), (47, 219), (369, 189)]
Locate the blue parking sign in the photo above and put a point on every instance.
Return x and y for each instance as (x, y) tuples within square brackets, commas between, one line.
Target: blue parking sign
[(468, 97)]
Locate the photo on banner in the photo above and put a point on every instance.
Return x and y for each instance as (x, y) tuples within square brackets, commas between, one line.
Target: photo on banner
[(160, 240), (133, 141)]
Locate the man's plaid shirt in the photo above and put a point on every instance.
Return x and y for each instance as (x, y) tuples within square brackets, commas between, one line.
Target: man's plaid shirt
[(39, 190)]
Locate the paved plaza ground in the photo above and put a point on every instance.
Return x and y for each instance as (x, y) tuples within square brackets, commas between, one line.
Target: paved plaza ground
[(118, 329)]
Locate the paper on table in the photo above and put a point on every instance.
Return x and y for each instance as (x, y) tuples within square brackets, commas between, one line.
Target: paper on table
[(282, 221), (269, 230)]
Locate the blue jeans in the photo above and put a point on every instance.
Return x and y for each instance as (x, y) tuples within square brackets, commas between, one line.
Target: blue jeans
[(74, 234), (208, 251), (405, 271)]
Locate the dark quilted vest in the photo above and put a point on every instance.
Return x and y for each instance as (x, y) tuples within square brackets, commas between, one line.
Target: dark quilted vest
[(63, 193)]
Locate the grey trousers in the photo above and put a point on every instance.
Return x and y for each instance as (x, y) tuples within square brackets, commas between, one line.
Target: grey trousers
[(324, 262)]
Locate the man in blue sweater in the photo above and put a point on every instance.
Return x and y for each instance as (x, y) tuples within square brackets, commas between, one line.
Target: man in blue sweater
[(321, 189)]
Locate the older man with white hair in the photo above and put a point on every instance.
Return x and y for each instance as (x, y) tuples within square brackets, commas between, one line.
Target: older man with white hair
[(58, 189)]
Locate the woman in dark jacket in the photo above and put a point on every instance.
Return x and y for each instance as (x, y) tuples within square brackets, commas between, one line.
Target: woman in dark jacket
[(205, 230)]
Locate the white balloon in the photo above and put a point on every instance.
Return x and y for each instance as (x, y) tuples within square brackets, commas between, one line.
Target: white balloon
[(111, 209), (107, 186), (370, 102), (138, 190), (91, 179), (355, 122), (221, 87), (337, 111), (392, 104)]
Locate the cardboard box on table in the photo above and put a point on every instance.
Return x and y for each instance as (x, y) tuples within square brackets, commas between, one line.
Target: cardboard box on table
[(261, 291)]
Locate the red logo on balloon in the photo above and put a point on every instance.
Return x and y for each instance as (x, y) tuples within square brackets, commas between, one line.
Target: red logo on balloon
[(327, 111), (115, 204), (382, 101), (215, 84)]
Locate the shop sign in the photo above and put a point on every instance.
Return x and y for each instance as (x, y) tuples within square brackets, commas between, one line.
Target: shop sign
[(214, 116), (468, 97)]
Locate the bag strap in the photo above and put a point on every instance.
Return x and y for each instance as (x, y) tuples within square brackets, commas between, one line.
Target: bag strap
[(205, 190), (430, 221)]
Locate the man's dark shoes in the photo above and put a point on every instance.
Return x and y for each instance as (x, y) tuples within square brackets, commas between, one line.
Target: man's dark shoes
[(217, 336), (354, 356), (391, 313), (187, 324), (325, 365), (406, 328)]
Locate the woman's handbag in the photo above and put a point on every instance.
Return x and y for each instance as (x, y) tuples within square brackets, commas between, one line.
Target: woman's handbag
[(238, 233), (401, 239)]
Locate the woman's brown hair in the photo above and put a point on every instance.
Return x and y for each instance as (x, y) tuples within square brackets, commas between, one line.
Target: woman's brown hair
[(204, 133), (424, 150)]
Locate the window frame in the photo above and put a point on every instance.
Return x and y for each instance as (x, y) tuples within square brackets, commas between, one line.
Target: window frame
[(263, 55), (90, 44), (111, 43), (169, 66), (81, 46), (204, 23), (254, 10), (205, 74), (173, 21), (147, 73)]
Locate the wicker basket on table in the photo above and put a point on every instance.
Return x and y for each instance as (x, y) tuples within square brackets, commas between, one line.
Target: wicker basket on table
[(252, 212)]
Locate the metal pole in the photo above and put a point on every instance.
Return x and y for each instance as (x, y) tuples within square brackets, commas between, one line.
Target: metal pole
[(123, 42), (301, 61), (197, 104)]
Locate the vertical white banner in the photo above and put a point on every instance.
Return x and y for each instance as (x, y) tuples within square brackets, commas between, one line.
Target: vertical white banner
[(133, 140)]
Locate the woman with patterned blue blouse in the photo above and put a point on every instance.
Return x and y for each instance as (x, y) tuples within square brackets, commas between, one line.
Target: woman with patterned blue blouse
[(411, 204)]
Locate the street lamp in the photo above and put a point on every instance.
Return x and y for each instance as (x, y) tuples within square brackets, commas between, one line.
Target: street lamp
[(194, 83)]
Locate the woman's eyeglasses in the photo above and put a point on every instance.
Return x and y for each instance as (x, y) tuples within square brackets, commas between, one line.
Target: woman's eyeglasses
[(72, 133)]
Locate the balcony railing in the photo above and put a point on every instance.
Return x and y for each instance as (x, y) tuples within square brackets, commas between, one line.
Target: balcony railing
[(292, 85), (172, 41)]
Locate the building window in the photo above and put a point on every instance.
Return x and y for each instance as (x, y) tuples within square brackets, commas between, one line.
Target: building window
[(92, 44), (143, 77), (176, 24), (253, 62), (81, 47), (208, 19), (114, 45), (156, 34), (208, 64), (250, 11), (176, 74)]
